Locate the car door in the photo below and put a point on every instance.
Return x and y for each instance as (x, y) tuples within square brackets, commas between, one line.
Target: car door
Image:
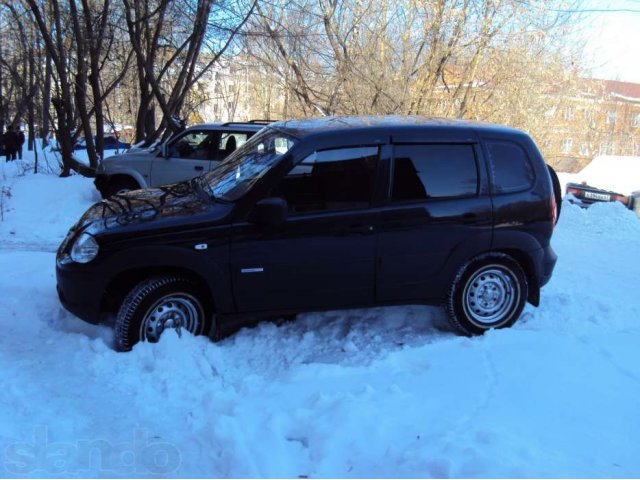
[(438, 207), (323, 255), (187, 156)]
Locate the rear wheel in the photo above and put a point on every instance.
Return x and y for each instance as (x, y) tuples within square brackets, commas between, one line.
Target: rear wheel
[(120, 185), (158, 304), (488, 292)]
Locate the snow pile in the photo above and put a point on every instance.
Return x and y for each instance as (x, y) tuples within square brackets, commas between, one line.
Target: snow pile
[(40, 209), (385, 392), (615, 173)]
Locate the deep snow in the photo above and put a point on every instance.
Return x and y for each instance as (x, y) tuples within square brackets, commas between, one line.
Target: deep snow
[(381, 393)]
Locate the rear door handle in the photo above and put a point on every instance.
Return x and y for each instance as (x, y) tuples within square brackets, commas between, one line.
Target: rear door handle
[(200, 168), (360, 229)]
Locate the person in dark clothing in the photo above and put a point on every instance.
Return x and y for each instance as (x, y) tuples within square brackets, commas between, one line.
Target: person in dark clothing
[(10, 145), (19, 142)]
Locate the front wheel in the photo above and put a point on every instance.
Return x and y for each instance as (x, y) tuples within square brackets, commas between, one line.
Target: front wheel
[(158, 304), (488, 292)]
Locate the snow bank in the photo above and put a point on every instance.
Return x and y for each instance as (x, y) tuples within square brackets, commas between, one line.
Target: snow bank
[(39, 209), (386, 392)]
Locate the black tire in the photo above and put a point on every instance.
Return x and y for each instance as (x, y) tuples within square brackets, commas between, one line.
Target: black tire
[(120, 185), (635, 203), (488, 292), (159, 303), (557, 190)]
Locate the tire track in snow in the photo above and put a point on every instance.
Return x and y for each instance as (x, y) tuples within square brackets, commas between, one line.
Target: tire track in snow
[(20, 246)]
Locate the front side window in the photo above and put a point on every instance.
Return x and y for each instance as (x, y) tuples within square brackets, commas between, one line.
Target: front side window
[(511, 170), (237, 174), (421, 172), (196, 144), (229, 142), (331, 180)]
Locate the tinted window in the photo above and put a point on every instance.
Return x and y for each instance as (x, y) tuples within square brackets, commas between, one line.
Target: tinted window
[(510, 168), (196, 144), (331, 180), (433, 171)]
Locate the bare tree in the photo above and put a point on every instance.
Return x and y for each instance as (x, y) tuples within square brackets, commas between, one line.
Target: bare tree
[(168, 71)]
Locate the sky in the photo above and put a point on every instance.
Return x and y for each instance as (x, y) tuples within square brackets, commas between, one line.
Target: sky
[(613, 39)]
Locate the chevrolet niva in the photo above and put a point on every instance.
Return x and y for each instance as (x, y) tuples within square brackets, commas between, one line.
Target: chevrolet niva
[(319, 214)]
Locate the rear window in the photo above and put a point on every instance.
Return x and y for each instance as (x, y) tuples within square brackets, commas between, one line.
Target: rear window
[(433, 171), (511, 170)]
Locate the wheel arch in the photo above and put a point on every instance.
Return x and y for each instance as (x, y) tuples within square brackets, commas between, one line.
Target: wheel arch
[(526, 250), (129, 175), (526, 262), (141, 263)]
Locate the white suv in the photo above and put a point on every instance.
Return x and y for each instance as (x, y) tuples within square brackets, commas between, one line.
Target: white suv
[(195, 151)]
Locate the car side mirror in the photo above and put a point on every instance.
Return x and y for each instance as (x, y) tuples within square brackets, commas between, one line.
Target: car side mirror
[(270, 211)]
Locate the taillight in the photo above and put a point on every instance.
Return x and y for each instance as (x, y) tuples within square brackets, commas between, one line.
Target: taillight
[(574, 191), (620, 198)]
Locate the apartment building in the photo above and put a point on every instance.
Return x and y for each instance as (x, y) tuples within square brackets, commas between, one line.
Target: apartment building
[(603, 119)]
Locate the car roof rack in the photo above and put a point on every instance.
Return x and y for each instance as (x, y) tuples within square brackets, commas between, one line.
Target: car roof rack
[(250, 122)]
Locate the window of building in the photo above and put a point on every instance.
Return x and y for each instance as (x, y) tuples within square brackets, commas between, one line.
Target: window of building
[(433, 171), (635, 119), (331, 180), (567, 145), (606, 148), (611, 117), (511, 170), (584, 149), (568, 114)]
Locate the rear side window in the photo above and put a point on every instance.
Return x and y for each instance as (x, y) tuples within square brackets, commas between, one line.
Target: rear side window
[(433, 171), (511, 170)]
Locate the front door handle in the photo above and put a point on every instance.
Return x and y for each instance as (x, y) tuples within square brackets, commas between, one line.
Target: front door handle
[(469, 218), (200, 168)]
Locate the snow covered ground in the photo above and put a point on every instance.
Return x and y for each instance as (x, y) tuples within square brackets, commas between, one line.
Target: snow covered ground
[(387, 392)]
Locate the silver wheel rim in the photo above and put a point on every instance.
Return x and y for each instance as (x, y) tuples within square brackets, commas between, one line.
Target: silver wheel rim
[(490, 296), (176, 311)]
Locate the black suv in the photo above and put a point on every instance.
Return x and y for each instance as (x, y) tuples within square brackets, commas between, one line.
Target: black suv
[(325, 213)]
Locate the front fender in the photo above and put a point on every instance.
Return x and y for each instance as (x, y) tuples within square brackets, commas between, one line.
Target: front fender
[(211, 265)]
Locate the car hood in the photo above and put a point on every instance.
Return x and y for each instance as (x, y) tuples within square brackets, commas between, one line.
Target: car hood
[(179, 205), (132, 153)]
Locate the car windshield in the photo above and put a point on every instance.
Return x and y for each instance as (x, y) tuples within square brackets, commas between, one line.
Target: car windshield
[(241, 170)]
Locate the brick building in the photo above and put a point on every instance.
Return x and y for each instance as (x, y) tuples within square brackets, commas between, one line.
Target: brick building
[(603, 119)]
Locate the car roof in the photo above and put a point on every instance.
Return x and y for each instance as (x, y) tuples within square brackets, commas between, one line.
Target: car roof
[(386, 124)]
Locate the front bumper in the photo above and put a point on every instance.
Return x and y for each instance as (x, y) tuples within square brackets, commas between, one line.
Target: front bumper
[(80, 294)]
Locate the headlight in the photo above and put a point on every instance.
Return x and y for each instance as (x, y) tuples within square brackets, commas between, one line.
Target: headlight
[(84, 249)]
